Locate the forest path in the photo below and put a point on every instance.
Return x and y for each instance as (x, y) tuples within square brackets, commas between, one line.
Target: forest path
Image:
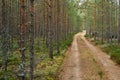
[(84, 61)]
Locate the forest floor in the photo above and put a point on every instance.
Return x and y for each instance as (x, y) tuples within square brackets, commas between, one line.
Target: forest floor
[(84, 61)]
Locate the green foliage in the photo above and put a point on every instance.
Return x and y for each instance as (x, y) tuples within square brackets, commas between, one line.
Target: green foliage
[(13, 58), (101, 74), (98, 42), (113, 51), (116, 57), (48, 68), (67, 42), (45, 68), (88, 36)]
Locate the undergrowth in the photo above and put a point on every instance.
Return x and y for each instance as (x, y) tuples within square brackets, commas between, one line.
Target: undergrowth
[(111, 49), (45, 68)]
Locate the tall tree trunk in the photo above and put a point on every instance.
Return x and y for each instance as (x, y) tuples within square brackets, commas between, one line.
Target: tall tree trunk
[(119, 25), (95, 33), (47, 25), (50, 29), (102, 18), (58, 26), (4, 37), (32, 40), (22, 37), (108, 21)]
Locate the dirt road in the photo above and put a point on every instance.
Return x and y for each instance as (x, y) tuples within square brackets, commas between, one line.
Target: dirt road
[(83, 61)]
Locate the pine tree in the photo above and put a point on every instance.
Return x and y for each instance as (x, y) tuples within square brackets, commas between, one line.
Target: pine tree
[(32, 40), (4, 37)]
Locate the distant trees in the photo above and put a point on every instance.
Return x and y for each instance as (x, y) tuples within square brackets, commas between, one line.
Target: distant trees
[(102, 19)]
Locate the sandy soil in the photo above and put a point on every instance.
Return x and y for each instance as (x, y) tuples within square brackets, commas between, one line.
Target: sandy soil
[(83, 61)]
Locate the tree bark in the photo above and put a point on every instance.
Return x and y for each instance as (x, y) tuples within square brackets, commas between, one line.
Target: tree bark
[(22, 37), (32, 40), (119, 25), (4, 37), (58, 26)]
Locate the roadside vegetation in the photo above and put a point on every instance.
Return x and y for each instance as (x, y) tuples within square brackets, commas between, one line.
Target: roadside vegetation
[(113, 50)]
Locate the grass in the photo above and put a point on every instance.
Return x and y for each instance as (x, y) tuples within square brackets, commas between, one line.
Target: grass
[(48, 68), (45, 68)]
